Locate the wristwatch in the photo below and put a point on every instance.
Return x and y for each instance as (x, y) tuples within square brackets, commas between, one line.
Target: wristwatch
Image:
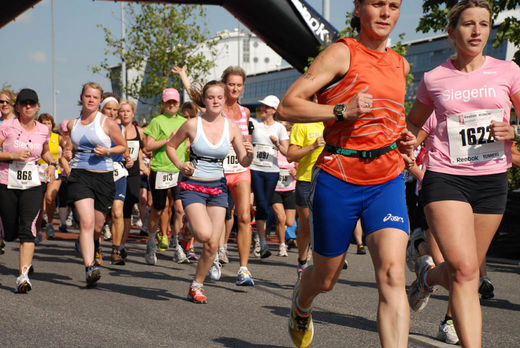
[(517, 133), (338, 111), (55, 165)]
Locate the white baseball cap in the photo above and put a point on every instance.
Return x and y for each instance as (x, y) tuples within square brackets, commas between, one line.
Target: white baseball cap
[(271, 100)]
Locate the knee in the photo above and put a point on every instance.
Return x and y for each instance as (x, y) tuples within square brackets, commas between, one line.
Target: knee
[(464, 271), (392, 275), (117, 214), (211, 246), (244, 217)]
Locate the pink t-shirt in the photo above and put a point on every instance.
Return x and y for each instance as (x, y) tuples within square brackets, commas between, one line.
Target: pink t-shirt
[(450, 91), (15, 139), (287, 182)]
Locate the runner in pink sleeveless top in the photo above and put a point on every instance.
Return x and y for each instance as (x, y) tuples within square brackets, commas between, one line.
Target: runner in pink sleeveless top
[(464, 188)]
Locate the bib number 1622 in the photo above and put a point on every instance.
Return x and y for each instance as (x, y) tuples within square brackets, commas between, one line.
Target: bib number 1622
[(476, 136)]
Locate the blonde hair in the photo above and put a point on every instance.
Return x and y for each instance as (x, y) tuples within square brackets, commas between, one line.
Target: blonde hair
[(197, 93), (10, 94), (93, 85), (127, 102)]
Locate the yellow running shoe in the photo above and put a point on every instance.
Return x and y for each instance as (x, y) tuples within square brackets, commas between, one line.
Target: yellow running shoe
[(301, 328), (163, 242)]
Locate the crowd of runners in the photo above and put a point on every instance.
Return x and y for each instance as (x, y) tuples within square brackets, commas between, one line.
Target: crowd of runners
[(338, 156)]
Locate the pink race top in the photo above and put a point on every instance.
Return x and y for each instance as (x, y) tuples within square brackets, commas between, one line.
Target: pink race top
[(15, 139), (464, 105), (242, 123), (286, 182)]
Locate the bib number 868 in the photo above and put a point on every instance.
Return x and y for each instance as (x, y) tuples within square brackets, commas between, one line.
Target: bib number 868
[(476, 136), (23, 175)]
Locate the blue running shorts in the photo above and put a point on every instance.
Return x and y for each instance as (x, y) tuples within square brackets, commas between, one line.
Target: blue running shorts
[(337, 205)]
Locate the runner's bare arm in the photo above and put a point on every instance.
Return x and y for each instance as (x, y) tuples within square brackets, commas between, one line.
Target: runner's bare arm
[(187, 131), (244, 150), (417, 116), (296, 152)]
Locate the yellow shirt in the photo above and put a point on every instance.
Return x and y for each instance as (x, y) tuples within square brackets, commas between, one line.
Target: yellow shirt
[(54, 149), (305, 134)]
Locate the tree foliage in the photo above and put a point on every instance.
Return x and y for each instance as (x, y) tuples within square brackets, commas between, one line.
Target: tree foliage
[(435, 17), (157, 37)]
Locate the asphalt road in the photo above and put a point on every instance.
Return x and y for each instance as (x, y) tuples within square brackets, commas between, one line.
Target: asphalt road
[(141, 305)]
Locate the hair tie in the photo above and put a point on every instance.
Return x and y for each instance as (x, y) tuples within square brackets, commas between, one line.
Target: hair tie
[(106, 100)]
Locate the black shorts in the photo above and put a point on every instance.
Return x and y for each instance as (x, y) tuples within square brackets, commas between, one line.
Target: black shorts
[(231, 205), (144, 182), (303, 193), (287, 198), (133, 185), (487, 194), (63, 199), (86, 184), (19, 210), (159, 196)]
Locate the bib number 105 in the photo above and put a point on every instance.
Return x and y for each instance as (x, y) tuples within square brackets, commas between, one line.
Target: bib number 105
[(476, 136)]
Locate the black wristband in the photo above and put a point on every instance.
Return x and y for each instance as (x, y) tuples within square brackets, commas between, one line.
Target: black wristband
[(54, 164)]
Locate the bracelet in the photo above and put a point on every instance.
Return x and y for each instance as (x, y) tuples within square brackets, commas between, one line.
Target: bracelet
[(54, 164)]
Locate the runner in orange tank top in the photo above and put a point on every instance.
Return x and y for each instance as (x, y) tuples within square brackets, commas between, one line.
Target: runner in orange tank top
[(360, 85)]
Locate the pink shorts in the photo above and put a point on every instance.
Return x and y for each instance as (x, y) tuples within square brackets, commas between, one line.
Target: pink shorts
[(236, 177)]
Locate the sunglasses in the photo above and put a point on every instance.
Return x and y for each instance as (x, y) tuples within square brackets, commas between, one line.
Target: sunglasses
[(4, 102), (28, 103)]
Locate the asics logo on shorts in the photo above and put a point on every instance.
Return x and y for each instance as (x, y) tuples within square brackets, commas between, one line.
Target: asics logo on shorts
[(390, 217)]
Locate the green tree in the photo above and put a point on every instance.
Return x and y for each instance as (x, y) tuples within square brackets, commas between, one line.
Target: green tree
[(435, 17), (157, 37)]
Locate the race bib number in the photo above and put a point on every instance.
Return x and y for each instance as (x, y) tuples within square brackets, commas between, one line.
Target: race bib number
[(165, 180), (285, 180), (119, 171), (231, 164), (133, 148), (264, 155), (23, 175), (470, 137)]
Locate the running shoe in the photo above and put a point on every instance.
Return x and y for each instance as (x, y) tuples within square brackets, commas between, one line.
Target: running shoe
[(38, 239), (215, 271), (98, 257), (69, 222), (178, 255), (123, 252), (93, 275), (163, 244), (447, 332), (107, 234), (256, 248), (412, 253), (192, 256), (50, 231), (418, 294), (116, 257), (282, 251), (265, 252), (2, 246), (195, 294), (63, 228), (361, 250), (244, 278), (222, 256), (150, 255), (291, 243), (345, 264), (301, 268), (23, 284), (301, 327), (486, 288)]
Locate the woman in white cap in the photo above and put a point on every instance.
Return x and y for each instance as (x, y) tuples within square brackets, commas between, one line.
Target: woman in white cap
[(163, 177), (267, 137)]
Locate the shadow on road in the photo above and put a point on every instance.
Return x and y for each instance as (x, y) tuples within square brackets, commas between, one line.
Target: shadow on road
[(235, 342)]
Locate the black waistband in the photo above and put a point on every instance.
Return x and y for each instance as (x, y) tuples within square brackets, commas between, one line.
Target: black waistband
[(366, 154), (194, 156)]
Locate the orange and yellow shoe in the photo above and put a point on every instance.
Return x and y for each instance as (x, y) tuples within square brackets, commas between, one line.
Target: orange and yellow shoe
[(301, 328), (196, 295)]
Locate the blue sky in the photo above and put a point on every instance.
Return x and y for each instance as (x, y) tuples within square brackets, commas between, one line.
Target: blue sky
[(26, 61)]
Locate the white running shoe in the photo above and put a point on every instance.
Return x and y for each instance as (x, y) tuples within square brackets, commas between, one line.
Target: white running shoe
[(257, 247), (447, 332), (215, 270), (411, 251), (222, 256), (282, 251), (107, 234), (151, 249), (23, 284), (418, 294), (179, 255), (244, 278)]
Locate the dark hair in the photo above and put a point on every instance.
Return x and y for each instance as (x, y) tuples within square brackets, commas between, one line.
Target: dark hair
[(355, 22), (197, 93), (233, 70), (458, 8), (190, 107)]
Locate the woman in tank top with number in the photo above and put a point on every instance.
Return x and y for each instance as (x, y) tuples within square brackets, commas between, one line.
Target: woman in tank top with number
[(134, 164), (464, 189), (202, 182), (23, 141), (91, 182), (268, 137)]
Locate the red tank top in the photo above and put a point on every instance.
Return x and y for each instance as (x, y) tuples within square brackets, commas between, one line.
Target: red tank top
[(383, 73)]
